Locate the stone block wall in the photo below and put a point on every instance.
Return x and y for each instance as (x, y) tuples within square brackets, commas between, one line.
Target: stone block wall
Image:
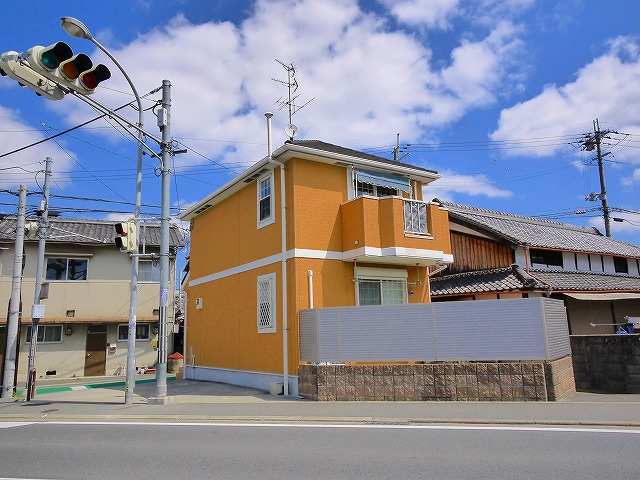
[(531, 381), (560, 378), (606, 363)]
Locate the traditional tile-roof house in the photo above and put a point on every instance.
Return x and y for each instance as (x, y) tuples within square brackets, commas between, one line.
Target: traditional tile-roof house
[(314, 225), (502, 255), (84, 330)]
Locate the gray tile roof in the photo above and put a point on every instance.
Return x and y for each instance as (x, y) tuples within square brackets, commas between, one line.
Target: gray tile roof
[(329, 147), (537, 232), (507, 279), (514, 278), (86, 232)]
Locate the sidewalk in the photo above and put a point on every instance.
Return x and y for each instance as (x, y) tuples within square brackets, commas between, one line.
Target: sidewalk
[(102, 399)]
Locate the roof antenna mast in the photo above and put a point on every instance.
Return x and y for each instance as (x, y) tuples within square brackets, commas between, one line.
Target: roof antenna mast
[(290, 102)]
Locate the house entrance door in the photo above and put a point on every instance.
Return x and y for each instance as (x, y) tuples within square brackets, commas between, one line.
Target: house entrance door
[(95, 361)]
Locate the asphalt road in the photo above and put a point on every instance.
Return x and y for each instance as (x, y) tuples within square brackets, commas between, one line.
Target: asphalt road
[(101, 450)]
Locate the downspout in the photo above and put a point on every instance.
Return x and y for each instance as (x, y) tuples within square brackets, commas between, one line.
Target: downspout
[(310, 277), (283, 223), (527, 257)]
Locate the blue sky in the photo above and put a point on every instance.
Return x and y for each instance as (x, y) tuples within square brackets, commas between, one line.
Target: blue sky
[(493, 94)]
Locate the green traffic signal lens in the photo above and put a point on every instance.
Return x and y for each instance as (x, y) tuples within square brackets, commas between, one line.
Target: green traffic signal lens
[(50, 60)]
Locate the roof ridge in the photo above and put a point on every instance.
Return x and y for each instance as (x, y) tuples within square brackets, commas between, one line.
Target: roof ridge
[(513, 216), (584, 272), (474, 272)]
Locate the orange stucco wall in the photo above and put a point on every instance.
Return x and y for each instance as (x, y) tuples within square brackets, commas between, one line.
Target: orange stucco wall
[(224, 333)]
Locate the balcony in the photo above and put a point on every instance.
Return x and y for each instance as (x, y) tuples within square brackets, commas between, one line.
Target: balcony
[(394, 230)]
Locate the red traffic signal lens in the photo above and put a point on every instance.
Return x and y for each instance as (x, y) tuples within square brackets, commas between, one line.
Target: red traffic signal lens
[(93, 77), (121, 229)]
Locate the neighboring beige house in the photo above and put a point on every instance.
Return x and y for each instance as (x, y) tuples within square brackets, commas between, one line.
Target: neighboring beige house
[(84, 330)]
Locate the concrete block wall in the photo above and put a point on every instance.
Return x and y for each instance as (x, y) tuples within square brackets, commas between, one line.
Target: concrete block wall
[(560, 378), (606, 363), (415, 382)]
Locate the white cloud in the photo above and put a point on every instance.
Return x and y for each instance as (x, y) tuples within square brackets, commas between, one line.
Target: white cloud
[(430, 13), (22, 167), (453, 183), (367, 81), (606, 88), (630, 223)]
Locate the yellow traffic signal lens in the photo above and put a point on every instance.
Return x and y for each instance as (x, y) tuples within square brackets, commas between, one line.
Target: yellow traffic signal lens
[(70, 71)]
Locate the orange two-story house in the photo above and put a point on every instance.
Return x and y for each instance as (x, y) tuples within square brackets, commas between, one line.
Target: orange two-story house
[(354, 230)]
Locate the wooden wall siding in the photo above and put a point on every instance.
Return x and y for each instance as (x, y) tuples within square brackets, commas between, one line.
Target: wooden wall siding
[(472, 253)]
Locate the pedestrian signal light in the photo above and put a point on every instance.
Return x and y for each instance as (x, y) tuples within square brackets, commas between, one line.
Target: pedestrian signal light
[(126, 238)]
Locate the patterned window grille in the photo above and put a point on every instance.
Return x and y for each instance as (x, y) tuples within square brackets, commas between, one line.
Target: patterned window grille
[(266, 303), (415, 217)]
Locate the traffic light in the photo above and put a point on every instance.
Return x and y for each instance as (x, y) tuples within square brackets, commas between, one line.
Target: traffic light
[(54, 70), (58, 63), (12, 66), (126, 237)]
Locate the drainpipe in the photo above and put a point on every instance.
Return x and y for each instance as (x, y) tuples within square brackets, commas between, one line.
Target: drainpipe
[(283, 223), (310, 277), (527, 257)]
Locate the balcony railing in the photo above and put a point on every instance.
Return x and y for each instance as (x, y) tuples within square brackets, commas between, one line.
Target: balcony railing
[(415, 217)]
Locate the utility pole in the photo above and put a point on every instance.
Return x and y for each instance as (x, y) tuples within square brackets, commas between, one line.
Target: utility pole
[(10, 367), (164, 116), (590, 143), (37, 311)]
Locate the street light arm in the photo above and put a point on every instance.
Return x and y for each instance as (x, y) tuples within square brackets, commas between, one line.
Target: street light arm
[(122, 120)]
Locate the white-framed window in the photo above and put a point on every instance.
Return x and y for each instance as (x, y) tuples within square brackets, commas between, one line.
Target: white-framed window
[(415, 217), (267, 303), (142, 332), (67, 269), (149, 271), (363, 188), (381, 286), (46, 334), (265, 200)]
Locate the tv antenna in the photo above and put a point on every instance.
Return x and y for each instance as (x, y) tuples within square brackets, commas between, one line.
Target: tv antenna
[(290, 102)]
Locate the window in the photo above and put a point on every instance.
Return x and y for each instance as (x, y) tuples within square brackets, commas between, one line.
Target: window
[(378, 286), (548, 258), (142, 332), (364, 188), (382, 292), (265, 201), (149, 271), (415, 217), (620, 264), (67, 268), (46, 334), (267, 303)]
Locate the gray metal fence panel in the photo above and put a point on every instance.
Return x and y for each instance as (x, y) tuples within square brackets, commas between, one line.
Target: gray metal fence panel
[(453, 331), (489, 330), (557, 329)]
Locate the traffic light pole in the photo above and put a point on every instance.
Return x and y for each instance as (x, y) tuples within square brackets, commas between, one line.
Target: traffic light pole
[(164, 116), (37, 311), (10, 367)]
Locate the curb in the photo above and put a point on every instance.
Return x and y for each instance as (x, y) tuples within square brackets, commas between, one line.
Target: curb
[(170, 419)]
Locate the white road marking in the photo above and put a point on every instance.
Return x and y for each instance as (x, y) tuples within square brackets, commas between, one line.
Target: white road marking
[(502, 428)]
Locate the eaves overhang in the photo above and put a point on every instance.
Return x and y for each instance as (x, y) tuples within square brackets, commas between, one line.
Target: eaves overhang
[(288, 151)]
